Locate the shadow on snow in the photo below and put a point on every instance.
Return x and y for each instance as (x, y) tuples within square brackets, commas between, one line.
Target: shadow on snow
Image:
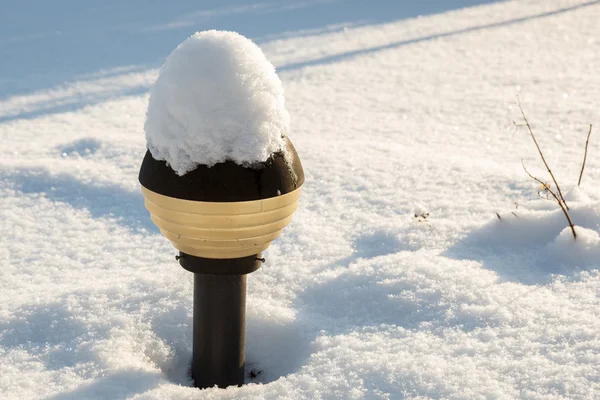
[(102, 201), (526, 249), (88, 47), (54, 42)]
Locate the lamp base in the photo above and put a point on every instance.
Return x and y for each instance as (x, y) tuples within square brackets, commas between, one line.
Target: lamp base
[(214, 266)]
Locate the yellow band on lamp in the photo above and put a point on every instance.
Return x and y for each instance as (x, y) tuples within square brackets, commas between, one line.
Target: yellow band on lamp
[(221, 230)]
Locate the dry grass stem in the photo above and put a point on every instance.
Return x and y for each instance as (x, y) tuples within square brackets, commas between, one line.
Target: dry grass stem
[(562, 199), (562, 206), (584, 155)]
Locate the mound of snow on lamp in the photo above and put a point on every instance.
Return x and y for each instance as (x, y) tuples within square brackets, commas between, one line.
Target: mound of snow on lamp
[(220, 177)]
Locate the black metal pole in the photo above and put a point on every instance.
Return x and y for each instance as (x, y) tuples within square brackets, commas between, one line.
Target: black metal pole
[(219, 318), (219, 330)]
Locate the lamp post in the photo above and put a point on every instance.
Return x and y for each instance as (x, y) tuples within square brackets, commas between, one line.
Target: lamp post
[(221, 218)]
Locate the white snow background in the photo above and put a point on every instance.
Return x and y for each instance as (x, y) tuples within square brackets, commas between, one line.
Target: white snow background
[(393, 114)]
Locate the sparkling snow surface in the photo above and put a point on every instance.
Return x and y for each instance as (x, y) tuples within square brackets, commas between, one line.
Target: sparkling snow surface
[(396, 278), (217, 98)]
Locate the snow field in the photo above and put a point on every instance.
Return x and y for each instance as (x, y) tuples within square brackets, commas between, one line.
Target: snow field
[(359, 298)]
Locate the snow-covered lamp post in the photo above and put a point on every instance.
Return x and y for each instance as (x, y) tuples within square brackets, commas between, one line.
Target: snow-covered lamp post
[(221, 180)]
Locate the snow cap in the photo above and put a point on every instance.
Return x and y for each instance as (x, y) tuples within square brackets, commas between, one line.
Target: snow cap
[(217, 98)]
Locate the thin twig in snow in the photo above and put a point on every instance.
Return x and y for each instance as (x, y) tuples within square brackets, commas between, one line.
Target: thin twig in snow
[(542, 155), (584, 155), (562, 206), (517, 126)]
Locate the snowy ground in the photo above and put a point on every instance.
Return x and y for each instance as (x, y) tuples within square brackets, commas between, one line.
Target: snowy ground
[(392, 115)]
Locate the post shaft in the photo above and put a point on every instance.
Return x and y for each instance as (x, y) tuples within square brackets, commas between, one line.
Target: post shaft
[(219, 330)]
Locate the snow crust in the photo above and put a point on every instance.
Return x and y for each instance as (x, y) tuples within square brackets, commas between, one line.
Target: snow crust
[(217, 98), (359, 298)]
